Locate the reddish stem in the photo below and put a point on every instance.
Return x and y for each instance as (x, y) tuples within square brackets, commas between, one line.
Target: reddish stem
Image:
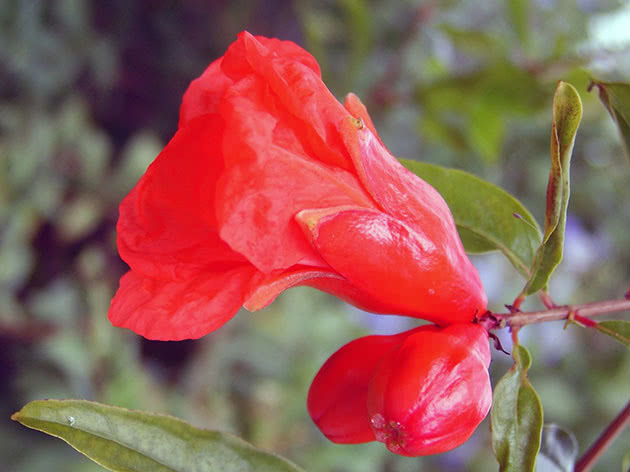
[(584, 321), (604, 440), (547, 300), (585, 310)]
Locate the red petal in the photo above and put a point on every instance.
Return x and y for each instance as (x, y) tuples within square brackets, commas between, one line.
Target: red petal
[(267, 289), (406, 197), (398, 191), (204, 94), (273, 284), (269, 177), (356, 108), (241, 56), (395, 265), (168, 310), (294, 80), (167, 224)]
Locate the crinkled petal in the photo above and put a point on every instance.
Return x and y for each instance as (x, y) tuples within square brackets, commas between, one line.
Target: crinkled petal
[(268, 178), (175, 310), (167, 226), (246, 52), (204, 94), (295, 84), (394, 264)]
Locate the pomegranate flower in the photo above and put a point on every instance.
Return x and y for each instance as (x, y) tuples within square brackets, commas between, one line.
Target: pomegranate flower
[(269, 183), (420, 392)]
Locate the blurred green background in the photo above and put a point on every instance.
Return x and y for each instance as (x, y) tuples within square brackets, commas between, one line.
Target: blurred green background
[(89, 94)]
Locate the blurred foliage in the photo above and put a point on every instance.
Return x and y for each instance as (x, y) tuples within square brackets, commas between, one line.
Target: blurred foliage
[(89, 93)]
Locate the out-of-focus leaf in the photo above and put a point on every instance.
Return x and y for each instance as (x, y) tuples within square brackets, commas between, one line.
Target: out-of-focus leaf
[(516, 417), (619, 330), (454, 108), (567, 113), (141, 149), (485, 131), (473, 41), (616, 99), (625, 463), (126, 440), (79, 217), (558, 450), (518, 11), (359, 25), (484, 214)]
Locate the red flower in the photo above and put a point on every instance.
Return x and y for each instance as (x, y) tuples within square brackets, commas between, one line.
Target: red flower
[(269, 183), (420, 392)]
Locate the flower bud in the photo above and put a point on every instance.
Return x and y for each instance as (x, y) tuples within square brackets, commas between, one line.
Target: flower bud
[(420, 392), (428, 394), (337, 399)]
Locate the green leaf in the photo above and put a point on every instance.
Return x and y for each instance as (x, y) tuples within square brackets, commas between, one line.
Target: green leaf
[(516, 417), (619, 330), (518, 13), (133, 441), (567, 113), (484, 214), (486, 131), (625, 463), (616, 99)]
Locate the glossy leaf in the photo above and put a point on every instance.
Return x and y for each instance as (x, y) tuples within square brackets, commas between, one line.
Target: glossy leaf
[(619, 330), (567, 113), (126, 440), (484, 214), (616, 99), (558, 450), (516, 417)]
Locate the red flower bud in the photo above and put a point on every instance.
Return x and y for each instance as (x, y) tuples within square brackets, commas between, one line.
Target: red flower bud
[(269, 183), (429, 394), (420, 392), (337, 399)]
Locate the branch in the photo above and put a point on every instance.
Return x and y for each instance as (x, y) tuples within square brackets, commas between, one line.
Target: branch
[(604, 440), (517, 319)]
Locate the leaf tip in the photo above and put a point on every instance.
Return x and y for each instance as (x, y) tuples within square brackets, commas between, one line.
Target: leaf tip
[(567, 97)]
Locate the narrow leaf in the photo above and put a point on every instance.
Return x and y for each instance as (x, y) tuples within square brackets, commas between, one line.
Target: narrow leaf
[(519, 11), (558, 450), (567, 113), (133, 441), (616, 99), (484, 214), (619, 330), (516, 417)]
